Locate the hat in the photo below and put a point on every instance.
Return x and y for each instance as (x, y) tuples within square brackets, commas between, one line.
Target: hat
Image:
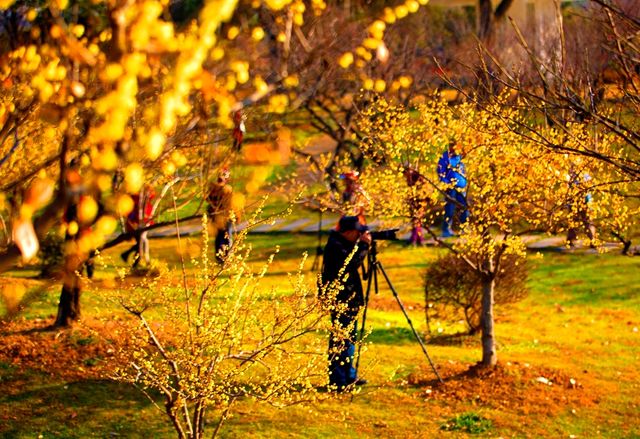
[(224, 173), (347, 223), (351, 175)]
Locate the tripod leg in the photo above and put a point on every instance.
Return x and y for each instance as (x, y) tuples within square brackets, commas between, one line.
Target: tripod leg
[(404, 311), (372, 271), (316, 262)]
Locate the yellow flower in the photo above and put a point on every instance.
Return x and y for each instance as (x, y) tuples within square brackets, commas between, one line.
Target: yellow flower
[(371, 43), (233, 32), (155, 144), (78, 30), (346, 60), (276, 5), (379, 85), (412, 6), (133, 178), (124, 205), (278, 103), (405, 81), (168, 168), (87, 209), (389, 16), (260, 84), (106, 225), (401, 11), (291, 81), (72, 228), (257, 33)]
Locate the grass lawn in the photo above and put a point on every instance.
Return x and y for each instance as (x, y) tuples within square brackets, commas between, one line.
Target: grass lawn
[(578, 329)]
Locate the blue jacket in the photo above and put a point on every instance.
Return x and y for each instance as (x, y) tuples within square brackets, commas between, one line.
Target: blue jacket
[(451, 169)]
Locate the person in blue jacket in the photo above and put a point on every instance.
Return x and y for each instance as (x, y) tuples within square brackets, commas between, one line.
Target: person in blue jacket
[(451, 171), (351, 238)]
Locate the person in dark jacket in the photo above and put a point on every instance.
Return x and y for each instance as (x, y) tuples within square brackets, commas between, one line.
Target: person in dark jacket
[(348, 245), (451, 171)]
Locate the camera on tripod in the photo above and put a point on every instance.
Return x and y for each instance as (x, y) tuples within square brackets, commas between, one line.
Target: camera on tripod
[(384, 235)]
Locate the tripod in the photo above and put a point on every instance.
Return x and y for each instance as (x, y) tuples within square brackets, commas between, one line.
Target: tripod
[(375, 266), (316, 261)]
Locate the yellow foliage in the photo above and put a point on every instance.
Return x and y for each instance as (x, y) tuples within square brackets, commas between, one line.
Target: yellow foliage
[(124, 205), (87, 209), (233, 32), (346, 60), (155, 144), (291, 81), (412, 6), (72, 228), (379, 85), (278, 103), (389, 16), (513, 184), (12, 293), (401, 11), (133, 178), (257, 33), (168, 168), (277, 4)]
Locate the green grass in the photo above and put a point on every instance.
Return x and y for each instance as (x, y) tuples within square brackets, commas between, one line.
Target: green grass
[(579, 319), (468, 423)]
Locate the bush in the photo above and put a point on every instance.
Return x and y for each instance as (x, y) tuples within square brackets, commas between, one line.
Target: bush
[(453, 288), (51, 255)]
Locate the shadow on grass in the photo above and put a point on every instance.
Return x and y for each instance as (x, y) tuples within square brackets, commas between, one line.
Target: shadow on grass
[(404, 335), (96, 408)]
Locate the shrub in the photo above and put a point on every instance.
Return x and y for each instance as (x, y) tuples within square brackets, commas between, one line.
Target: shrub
[(453, 288), (51, 255), (469, 423)]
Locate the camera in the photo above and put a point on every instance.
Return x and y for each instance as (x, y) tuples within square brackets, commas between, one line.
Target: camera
[(384, 235)]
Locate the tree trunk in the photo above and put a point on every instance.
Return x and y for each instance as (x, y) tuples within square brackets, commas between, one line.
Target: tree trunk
[(488, 17), (489, 355), (485, 19), (69, 305)]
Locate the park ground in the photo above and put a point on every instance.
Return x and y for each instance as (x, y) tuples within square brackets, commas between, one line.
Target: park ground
[(568, 357)]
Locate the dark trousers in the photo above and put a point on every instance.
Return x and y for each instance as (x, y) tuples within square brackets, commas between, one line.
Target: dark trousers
[(342, 349), (456, 206), (222, 242)]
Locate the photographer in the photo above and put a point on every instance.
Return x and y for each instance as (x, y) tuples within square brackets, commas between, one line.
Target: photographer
[(348, 245)]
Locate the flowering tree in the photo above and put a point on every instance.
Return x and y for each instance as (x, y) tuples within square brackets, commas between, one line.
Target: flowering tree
[(514, 187), (99, 99), (595, 81), (120, 89), (223, 337), (591, 81)]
